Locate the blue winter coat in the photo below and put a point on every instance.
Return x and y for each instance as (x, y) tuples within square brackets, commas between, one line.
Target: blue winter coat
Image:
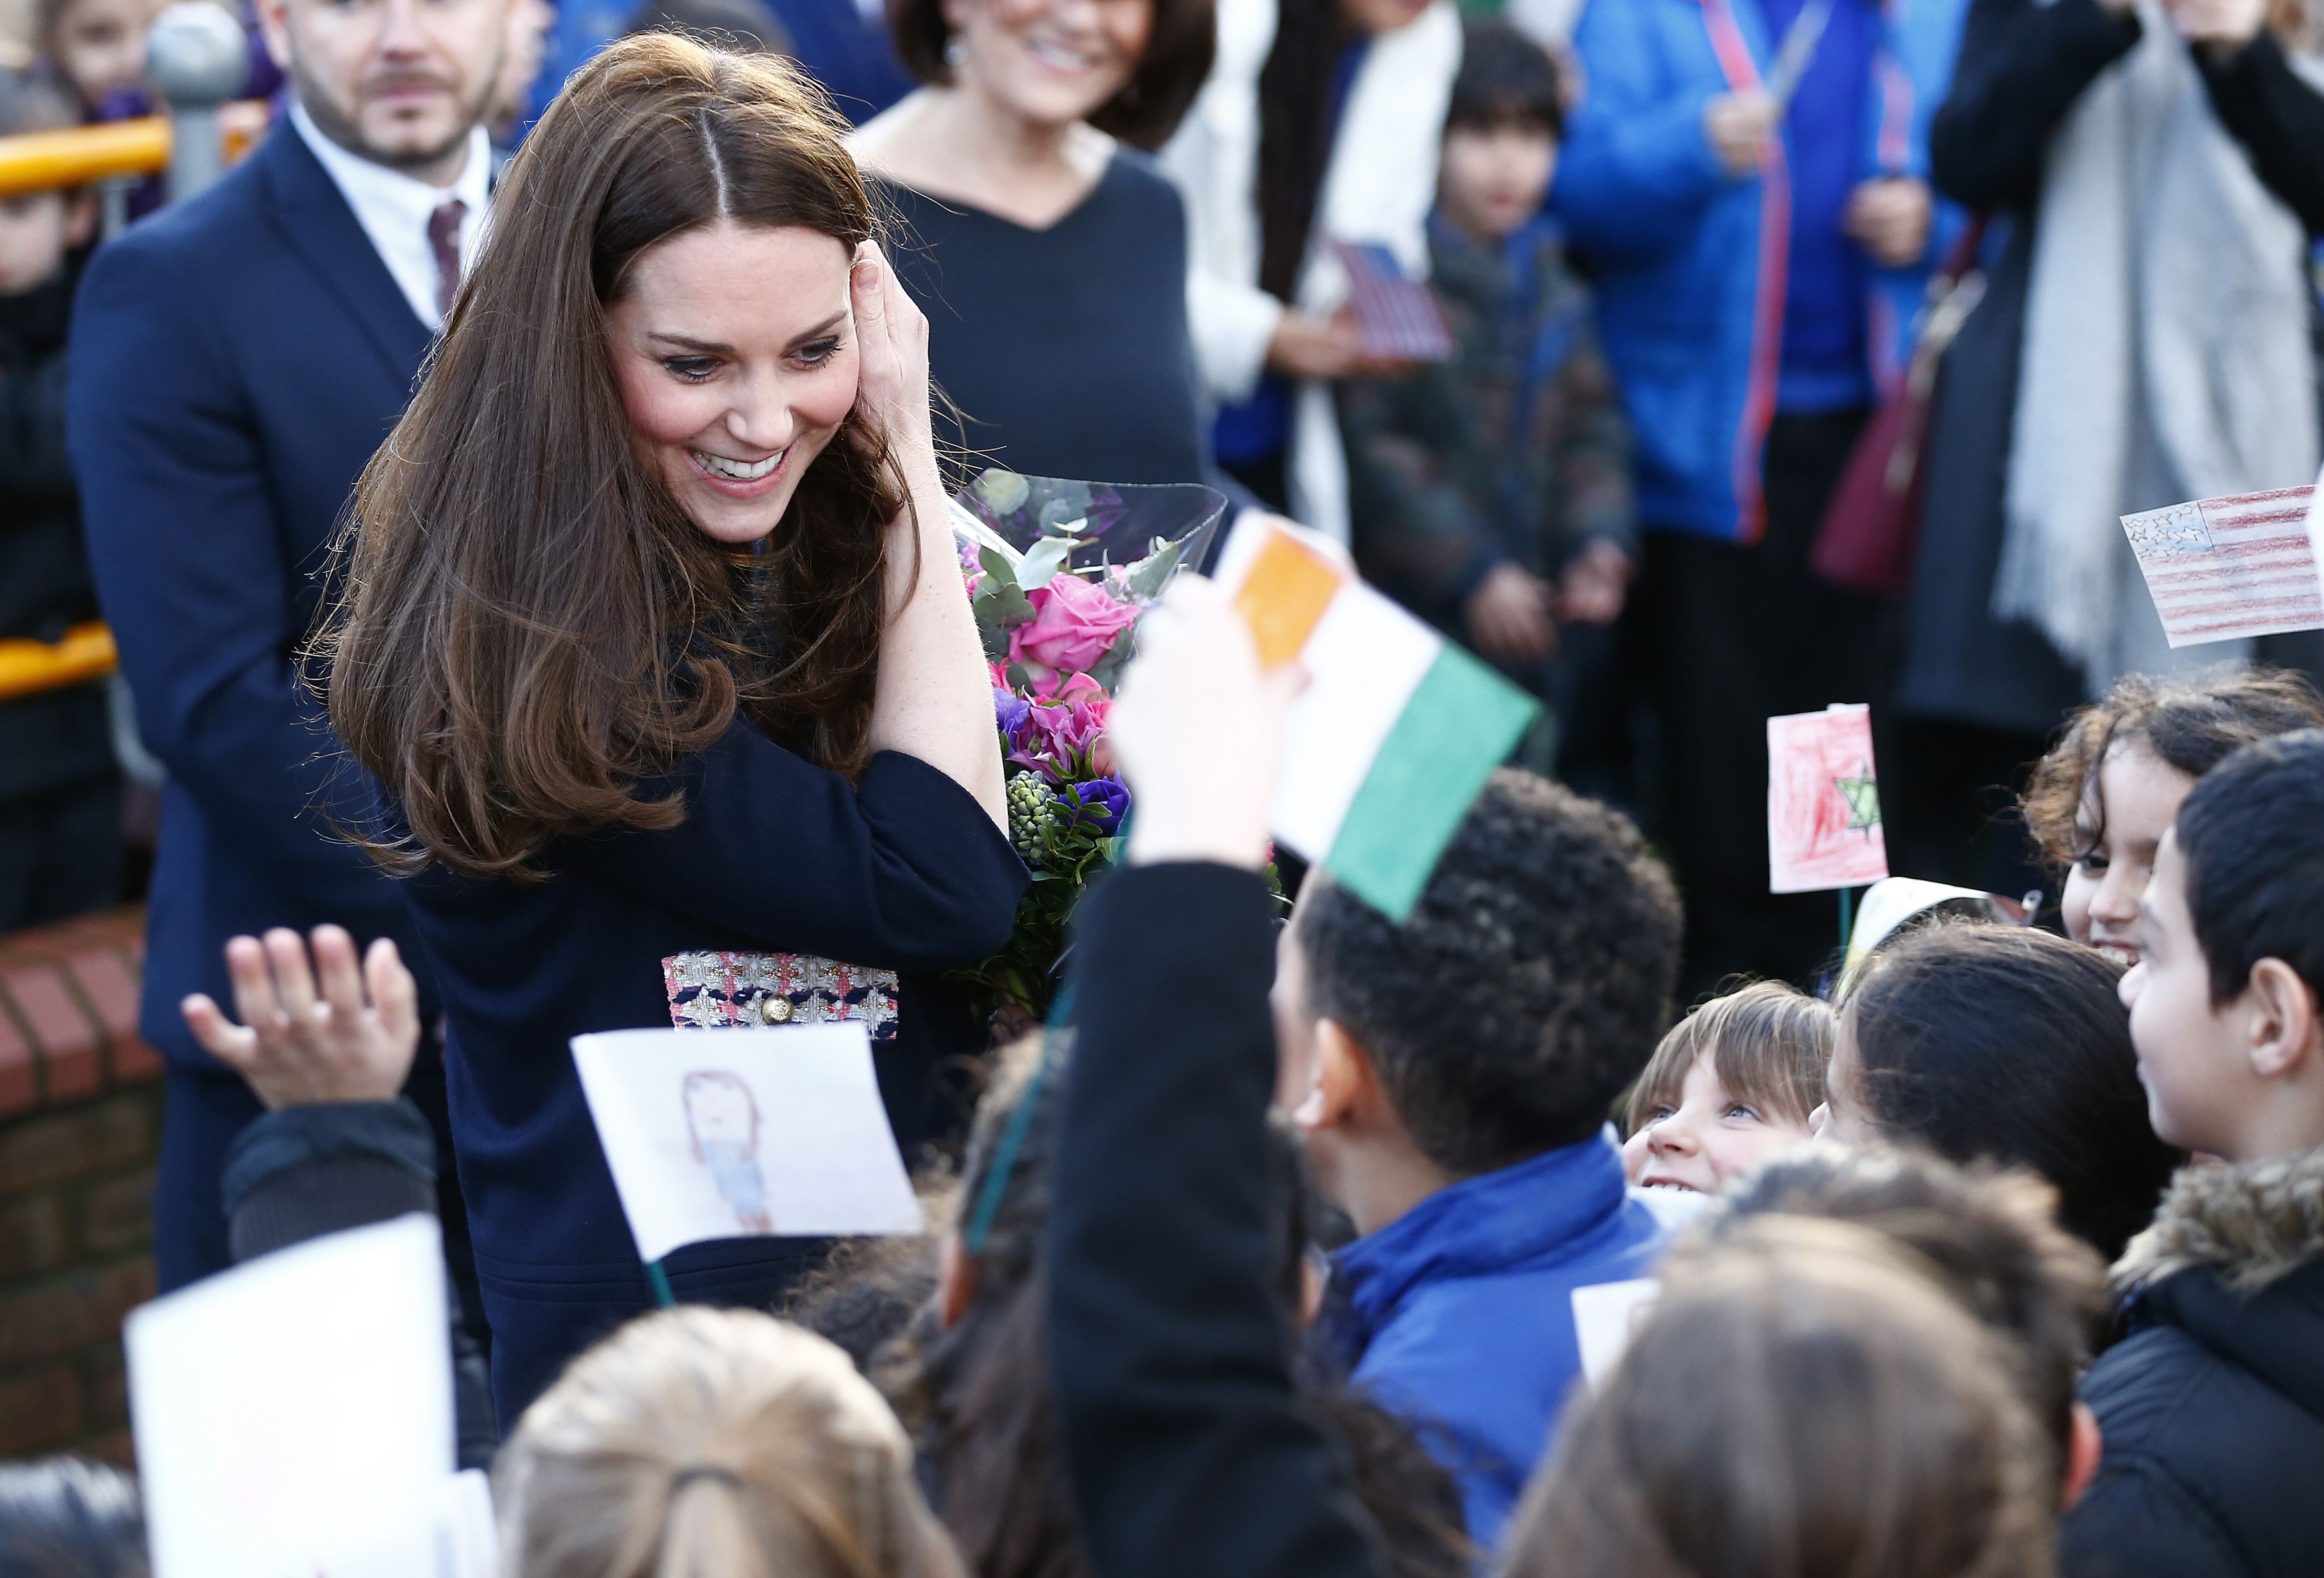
[(1690, 261), (1458, 1315)]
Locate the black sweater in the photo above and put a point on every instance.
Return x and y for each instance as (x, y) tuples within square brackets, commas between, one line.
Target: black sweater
[(1066, 350), (1186, 1446), (2024, 64)]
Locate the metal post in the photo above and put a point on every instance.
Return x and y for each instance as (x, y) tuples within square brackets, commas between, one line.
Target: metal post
[(196, 59), (113, 205)]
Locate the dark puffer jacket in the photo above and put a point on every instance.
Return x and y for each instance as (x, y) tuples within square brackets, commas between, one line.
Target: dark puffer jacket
[(2212, 1405)]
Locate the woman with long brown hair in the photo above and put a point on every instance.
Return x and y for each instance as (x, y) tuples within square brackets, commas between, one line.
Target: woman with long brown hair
[(654, 639)]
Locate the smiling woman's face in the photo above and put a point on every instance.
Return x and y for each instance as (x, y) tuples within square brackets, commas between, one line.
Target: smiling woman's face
[(1052, 61), (735, 351)]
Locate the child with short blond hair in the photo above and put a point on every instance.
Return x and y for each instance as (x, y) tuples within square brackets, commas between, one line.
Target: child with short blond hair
[(701, 1442), (1735, 1080)]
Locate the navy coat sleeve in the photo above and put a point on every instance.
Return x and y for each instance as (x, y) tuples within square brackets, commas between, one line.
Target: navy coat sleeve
[(903, 871), (190, 552), (1184, 1444)]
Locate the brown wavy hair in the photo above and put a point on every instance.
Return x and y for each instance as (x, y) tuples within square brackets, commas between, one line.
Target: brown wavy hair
[(530, 628), (2191, 723)]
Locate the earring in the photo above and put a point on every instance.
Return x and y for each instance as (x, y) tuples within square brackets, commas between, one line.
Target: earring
[(956, 51)]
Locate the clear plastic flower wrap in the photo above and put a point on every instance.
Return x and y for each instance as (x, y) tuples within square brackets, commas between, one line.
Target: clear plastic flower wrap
[(1058, 573)]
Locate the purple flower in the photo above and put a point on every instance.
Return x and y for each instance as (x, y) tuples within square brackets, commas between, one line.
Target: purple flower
[(1105, 801), (1010, 710)]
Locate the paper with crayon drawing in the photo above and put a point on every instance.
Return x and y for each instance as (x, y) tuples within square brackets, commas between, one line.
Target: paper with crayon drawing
[(1823, 802), (741, 1132), (2243, 565), (1393, 737), (293, 1416)]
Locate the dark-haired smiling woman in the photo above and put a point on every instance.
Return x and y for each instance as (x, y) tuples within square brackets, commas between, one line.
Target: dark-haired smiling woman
[(655, 641), (1050, 253)]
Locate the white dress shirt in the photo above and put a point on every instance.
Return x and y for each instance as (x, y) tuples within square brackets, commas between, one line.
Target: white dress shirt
[(393, 208)]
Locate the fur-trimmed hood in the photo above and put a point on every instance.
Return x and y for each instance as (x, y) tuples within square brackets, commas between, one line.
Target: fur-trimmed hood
[(2251, 1223)]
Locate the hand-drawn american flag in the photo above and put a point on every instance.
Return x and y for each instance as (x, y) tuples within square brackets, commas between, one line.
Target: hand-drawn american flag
[(1398, 318), (2238, 566)]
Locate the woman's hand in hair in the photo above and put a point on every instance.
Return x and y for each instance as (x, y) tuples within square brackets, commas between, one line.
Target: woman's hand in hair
[(337, 1031), (2225, 28), (1198, 732), (891, 341)]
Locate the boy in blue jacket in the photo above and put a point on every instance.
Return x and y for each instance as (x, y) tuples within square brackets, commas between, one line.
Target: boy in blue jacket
[(1451, 1075), (1746, 178)]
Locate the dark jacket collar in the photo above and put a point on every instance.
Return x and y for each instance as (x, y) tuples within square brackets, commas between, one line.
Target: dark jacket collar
[(318, 224), (2235, 1260)]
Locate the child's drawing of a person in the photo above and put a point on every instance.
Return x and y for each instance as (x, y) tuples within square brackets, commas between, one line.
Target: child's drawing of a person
[(722, 1119)]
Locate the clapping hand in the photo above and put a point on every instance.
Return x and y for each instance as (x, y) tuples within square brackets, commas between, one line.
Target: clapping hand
[(337, 1031)]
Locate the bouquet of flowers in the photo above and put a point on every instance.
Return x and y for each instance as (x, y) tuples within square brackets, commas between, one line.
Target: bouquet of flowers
[(1058, 573)]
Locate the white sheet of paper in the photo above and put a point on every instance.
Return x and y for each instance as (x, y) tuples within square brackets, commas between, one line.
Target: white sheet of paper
[(458, 1539), (1604, 1316), (296, 1406), (736, 1133)]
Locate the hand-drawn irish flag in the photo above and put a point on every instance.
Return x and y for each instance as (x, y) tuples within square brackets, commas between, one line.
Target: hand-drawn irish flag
[(1388, 746)]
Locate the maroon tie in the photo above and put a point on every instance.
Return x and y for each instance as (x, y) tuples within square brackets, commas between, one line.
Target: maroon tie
[(444, 238)]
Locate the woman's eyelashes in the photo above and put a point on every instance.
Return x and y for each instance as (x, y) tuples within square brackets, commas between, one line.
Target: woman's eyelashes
[(1745, 1111), (702, 369)]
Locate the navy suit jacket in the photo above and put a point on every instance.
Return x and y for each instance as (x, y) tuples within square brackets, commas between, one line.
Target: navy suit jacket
[(234, 361)]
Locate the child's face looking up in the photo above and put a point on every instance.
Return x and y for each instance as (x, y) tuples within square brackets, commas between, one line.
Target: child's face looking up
[(1494, 179), (1711, 1135), (2130, 804)]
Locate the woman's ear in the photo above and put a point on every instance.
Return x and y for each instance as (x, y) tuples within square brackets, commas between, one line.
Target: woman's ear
[(955, 1281)]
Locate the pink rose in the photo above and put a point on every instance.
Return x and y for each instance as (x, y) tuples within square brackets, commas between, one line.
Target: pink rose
[(1074, 624)]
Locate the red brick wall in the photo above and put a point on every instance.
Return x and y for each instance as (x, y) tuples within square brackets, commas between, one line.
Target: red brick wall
[(80, 1124)]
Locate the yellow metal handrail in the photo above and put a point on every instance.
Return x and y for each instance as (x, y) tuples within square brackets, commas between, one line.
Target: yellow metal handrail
[(40, 161), (27, 667), (36, 161)]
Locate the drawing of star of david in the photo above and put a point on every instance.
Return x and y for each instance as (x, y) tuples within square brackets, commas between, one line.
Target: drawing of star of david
[(1863, 797)]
